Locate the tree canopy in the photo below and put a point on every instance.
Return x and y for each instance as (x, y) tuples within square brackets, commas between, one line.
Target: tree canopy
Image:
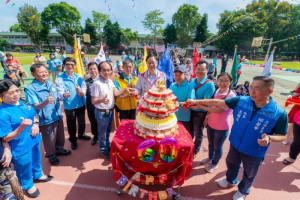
[(153, 22), (15, 28), (3, 43), (112, 34), (185, 20), (65, 18), (170, 34), (90, 28), (128, 36), (201, 33), (29, 20), (99, 21)]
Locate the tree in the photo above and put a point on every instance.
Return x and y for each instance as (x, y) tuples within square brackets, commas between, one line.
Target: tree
[(65, 18), (29, 20), (15, 28), (201, 33), (99, 21), (90, 28), (3, 43), (185, 20), (128, 36), (153, 22), (112, 34), (170, 34)]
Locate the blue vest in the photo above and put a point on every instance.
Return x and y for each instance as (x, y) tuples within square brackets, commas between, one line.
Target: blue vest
[(74, 101), (247, 129), (51, 112)]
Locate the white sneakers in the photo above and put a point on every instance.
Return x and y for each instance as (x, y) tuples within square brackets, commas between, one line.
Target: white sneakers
[(211, 168), (205, 161), (225, 184), (239, 196)]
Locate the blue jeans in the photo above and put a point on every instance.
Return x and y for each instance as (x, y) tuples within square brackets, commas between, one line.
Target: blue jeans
[(197, 128), (4, 66), (216, 139), (104, 124), (250, 164), (28, 167)]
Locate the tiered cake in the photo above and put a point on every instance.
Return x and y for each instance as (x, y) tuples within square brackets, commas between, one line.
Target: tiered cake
[(156, 117)]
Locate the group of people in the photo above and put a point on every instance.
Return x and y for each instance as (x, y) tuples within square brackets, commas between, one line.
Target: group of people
[(258, 120)]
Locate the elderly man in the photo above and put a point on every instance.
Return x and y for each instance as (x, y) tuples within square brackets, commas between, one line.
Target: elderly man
[(103, 92), (204, 89), (126, 103), (42, 94), (150, 77), (258, 120), (69, 89)]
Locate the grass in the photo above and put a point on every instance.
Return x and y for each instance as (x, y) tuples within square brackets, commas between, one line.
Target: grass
[(286, 65)]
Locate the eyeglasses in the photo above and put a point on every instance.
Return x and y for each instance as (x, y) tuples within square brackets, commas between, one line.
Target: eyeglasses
[(70, 64), (13, 92)]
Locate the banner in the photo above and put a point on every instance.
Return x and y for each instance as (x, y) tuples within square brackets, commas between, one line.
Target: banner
[(79, 69), (234, 67), (143, 66), (165, 65), (160, 48), (172, 46), (195, 60), (101, 56), (268, 67)]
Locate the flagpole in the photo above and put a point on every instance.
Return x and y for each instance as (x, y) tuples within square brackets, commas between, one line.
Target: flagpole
[(268, 51), (235, 49)]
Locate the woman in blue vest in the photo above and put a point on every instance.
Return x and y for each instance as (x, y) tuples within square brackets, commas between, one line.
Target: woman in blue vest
[(20, 128), (258, 120)]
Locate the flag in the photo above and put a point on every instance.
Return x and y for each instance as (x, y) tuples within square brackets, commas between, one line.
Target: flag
[(165, 65), (143, 66), (195, 60), (79, 69), (268, 66), (101, 56), (234, 67)]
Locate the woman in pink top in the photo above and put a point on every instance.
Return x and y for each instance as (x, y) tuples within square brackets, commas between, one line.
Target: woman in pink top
[(218, 123)]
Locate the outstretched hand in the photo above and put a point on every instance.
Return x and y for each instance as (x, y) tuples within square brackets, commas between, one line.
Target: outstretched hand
[(264, 141)]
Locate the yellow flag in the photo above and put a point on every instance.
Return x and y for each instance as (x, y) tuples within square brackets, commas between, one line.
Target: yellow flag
[(143, 66), (79, 69)]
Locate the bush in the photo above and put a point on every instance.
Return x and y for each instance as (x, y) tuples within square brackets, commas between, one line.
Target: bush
[(45, 50), (17, 49), (29, 48)]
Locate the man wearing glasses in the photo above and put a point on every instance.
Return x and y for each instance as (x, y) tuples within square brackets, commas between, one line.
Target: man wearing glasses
[(69, 86)]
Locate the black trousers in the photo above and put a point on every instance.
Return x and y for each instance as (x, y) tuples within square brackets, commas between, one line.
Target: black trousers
[(72, 115), (93, 121), (187, 126), (127, 114), (295, 146)]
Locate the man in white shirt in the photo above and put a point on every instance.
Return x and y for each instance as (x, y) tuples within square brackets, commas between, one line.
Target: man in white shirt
[(103, 92)]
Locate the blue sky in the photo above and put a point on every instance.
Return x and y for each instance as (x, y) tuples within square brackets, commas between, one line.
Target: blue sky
[(123, 10)]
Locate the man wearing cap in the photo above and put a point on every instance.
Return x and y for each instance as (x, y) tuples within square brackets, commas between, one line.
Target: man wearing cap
[(183, 91), (211, 69)]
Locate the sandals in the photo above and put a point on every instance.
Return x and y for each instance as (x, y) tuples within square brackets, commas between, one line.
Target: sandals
[(49, 178), (288, 161)]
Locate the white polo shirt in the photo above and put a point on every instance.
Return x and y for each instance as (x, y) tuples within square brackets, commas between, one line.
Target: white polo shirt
[(100, 88)]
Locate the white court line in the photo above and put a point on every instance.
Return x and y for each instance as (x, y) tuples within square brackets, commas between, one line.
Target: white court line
[(100, 188)]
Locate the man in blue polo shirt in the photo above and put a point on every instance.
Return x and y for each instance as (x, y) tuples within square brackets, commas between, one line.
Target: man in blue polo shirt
[(69, 86), (42, 95), (183, 91), (204, 89), (258, 120)]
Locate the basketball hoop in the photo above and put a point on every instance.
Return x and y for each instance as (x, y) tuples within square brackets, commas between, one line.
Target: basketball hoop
[(257, 41)]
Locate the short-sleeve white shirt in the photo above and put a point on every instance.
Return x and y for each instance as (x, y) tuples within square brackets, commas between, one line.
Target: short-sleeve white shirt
[(100, 88)]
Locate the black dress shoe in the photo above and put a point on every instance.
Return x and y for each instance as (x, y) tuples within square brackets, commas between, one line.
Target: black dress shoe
[(94, 141), (106, 155), (74, 145), (54, 160), (49, 178), (63, 152), (84, 137), (34, 194)]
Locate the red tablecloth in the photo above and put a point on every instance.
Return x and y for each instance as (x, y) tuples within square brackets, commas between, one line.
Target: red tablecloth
[(125, 160)]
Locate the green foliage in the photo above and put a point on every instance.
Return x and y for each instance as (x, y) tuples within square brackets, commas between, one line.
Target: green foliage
[(201, 33), (99, 21), (154, 22), (90, 28), (185, 20), (170, 34), (3, 43), (128, 36), (112, 34), (65, 18), (29, 20), (15, 28), (275, 19), (17, 49)]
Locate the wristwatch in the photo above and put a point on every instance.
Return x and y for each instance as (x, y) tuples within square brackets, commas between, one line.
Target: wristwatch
[(270, 139)]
